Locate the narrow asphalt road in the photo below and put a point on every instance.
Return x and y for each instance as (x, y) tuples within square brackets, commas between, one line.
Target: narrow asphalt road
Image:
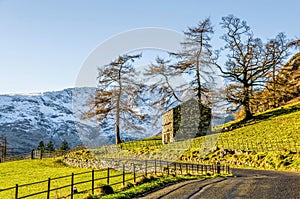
[(247, 184)]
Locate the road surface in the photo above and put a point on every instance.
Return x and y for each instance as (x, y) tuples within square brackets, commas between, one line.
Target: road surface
[(247, 184)]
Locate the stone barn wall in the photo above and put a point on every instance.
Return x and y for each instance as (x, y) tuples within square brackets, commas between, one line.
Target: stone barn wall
[(186, 121)]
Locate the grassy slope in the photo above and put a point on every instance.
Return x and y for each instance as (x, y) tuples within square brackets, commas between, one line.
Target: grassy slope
[(281, 125), (271, 140), (28, 171)]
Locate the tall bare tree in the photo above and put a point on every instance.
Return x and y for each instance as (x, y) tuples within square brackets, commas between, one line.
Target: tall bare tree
[(118, 95), (196, 58), (248, 61)]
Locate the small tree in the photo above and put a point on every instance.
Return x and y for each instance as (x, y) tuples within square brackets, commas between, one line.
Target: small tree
[(50, 146), (41, 146), (64, 146)]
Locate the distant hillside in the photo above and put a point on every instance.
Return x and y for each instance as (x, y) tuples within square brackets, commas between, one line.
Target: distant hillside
[(29, 118)]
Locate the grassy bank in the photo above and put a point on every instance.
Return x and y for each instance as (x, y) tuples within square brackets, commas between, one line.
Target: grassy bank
[(271, 140)]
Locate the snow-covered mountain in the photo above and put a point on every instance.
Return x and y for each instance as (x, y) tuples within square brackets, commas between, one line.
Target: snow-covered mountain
[(30, 118)]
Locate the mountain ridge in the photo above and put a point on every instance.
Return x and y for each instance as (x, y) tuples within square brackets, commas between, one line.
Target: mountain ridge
[(27, 119)]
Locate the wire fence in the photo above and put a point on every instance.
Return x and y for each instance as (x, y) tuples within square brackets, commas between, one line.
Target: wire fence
[(202, 145), (35, 154), (84, 182)]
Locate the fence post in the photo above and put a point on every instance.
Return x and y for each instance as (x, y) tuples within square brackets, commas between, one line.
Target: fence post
[(134, 177), (155, 166), (186, 168), (161, 167), (175, 168), (108, 175), (32, 152), (218, 168), (146, 164), (48, 190), (180, 165), (93, 181), (41, 154), (17, 190), (72, 185), (168, 168), (123, 174)]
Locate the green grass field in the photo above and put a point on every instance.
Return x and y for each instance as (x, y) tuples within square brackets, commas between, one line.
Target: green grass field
[(29, 171)]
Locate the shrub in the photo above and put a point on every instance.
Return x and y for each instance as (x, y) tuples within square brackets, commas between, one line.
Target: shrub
[(104, 190)]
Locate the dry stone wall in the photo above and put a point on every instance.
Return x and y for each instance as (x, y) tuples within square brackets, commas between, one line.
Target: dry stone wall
[(106, 163), (188, 120)]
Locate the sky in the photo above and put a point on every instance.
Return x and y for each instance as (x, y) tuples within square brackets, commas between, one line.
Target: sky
[(44, 44)]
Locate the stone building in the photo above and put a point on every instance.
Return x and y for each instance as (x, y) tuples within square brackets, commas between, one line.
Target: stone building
[(185, 121)]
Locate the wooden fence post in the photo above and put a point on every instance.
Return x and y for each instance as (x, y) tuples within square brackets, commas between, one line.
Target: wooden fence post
[(186, 168), (161, 167), (134, 177), (146, 165), (123, 174), (155, 166), (168, 168), (72, 185), (41, 155), (108, 175), (32, 153), (48, 190), (17, 191), (93, 181), (180, 165), (218, 168), (175, 168)]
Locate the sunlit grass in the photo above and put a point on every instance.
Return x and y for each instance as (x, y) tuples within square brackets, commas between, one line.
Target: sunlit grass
[(29, 171)]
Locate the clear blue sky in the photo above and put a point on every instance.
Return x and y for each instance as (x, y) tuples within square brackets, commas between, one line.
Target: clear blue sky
[(44, 43)]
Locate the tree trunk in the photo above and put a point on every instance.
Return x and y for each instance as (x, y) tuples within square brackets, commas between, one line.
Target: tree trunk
[(118, 138), (246, 104), (198, 71), (248, 114)]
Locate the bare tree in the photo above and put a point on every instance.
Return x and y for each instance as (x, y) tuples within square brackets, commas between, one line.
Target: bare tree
[(118, 95), (248, 61), (196, 58), (165, 91)]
